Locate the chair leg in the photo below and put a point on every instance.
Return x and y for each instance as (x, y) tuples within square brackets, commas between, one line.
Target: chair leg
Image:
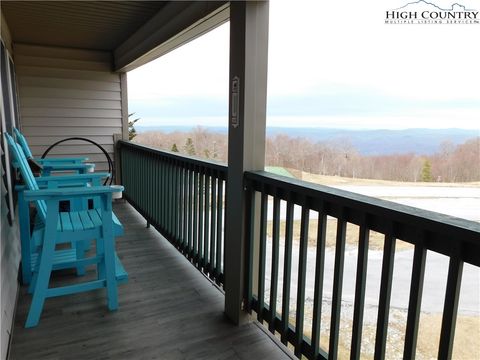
[(41, 285), (109, 258), (24, 215), (100, 251), (80, 251), (33, 283)]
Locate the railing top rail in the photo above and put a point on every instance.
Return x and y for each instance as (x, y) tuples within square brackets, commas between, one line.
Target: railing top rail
[(208, 164), (424, 220)]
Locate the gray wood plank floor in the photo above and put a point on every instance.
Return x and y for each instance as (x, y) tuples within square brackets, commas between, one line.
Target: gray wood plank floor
[(168, 310)]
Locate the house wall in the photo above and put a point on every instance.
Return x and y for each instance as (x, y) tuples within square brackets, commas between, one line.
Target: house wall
[(9, 263), (69, 93), (9, 247)]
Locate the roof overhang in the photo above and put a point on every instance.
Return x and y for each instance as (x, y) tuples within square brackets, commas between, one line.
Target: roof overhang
[(177, 24)]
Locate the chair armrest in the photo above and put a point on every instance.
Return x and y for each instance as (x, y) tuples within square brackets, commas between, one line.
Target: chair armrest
[(61, 193), (72, 178), (74, 160), (64, 166), (19, 188)]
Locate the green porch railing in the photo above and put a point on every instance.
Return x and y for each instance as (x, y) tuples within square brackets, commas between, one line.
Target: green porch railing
[(275, 197), (183, 198)]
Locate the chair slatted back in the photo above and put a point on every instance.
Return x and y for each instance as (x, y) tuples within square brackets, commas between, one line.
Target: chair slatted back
[(27, 174), (23, 143)]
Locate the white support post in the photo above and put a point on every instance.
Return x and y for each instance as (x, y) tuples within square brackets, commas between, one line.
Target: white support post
[(246, 136)]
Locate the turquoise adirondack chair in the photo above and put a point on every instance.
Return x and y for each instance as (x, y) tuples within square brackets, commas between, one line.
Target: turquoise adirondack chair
[(54, 227), (50, 164)]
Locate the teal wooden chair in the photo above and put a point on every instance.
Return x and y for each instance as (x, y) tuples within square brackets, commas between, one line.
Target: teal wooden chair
[(31, 241), (55, 227), (51, 164)]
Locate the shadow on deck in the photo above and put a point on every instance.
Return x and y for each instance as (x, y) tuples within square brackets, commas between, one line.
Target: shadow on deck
[(168, 310)]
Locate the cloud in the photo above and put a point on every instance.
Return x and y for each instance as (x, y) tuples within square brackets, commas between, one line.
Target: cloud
[(328, 59)]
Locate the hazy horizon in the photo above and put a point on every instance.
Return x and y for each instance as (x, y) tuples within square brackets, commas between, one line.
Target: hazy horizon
[(139, 125)]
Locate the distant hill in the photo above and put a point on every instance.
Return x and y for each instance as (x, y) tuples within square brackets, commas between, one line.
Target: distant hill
[(367, 142)]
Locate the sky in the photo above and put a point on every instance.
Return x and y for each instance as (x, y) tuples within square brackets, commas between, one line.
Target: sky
[(330, 65)]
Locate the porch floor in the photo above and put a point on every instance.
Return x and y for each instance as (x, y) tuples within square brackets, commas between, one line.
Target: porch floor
[(168, 310)]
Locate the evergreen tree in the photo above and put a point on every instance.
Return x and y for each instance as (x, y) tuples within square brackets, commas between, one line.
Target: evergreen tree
[(131, 128), (189, 147), (174, 148), (427, 171)]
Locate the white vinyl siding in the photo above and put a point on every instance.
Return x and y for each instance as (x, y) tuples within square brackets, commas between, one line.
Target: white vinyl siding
[(9, 236), (68, 93)]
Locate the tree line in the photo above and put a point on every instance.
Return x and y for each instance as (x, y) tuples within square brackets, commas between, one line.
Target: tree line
[(452, 163)]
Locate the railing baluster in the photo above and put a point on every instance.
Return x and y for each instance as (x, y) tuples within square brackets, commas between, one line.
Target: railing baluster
[(450, 308), (415, 301), (219, 261), (146, 185), (169, 214), (206, 224), (162, 194), (134, 181), (384, 299), (149, 177), (174, 197), (262, 254), (190, 212), (213, 227), (337, 287), (177, 200), (200, 219), (360, 285), (302, 274), (319, 274), (179, 193), (151, 185), (164, 216), (156, 188), (287, 272), (138, 181), (142, 191), (185, 209), (177, 197), (275, 251), (166, 199), (250, 207), (195, 217)]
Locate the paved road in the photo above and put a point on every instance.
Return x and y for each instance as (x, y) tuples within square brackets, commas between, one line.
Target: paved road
[(434, 285), (463, 202)]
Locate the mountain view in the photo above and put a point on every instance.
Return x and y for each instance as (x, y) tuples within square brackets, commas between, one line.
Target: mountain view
[(366, 142)]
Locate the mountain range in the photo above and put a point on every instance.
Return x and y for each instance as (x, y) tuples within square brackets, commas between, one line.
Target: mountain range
[(367, 142)]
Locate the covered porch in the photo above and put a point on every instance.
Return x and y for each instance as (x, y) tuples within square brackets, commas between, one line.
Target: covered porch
[(222, 267)]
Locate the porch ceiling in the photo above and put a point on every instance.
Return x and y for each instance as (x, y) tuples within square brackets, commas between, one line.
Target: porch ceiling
[(134, 31), (99, 25)]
